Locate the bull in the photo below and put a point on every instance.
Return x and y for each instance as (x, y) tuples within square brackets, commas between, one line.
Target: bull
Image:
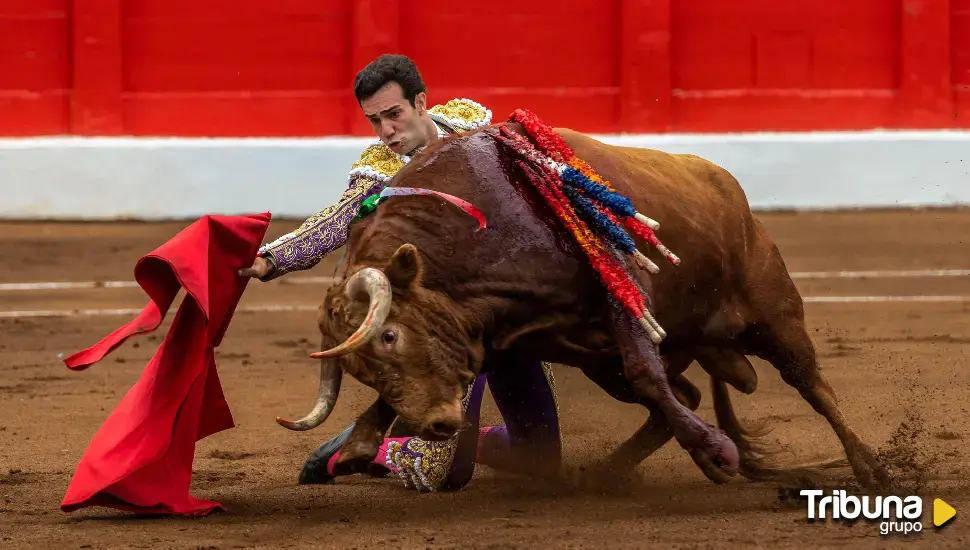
[(427, 302)]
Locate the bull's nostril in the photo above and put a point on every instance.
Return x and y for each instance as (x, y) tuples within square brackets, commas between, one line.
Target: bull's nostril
[(442, 428)]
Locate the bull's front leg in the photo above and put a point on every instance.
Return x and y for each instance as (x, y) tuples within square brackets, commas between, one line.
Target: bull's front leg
[(364, 443), (710, 448)]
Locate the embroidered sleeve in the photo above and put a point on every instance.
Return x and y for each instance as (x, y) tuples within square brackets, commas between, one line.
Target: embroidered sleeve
[(462, 114), (327, 230)]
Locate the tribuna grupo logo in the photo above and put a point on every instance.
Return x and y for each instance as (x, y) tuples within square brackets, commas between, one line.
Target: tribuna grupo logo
[(895, 514)]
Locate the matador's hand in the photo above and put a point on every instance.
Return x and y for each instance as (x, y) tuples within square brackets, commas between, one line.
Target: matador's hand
[(261, 268)]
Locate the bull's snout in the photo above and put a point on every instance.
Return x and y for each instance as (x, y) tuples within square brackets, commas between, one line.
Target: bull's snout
[(443, 422)]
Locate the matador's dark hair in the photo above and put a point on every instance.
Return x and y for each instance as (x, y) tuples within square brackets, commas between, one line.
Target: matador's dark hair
[(389, 68)]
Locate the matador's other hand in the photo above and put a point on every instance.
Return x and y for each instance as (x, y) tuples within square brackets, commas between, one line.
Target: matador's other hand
[(261, 268)]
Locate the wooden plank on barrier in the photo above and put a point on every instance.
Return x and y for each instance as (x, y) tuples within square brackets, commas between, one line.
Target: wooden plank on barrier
[(925, 90), (96, 102), (645, 70), (375, 30)]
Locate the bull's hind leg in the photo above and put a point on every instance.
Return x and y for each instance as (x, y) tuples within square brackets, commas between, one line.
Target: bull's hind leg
[(755, 452), (776, 333), (710, 448), (784, 342), (726, 366)]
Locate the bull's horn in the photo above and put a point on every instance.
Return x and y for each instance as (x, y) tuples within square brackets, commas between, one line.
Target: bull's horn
[(373, 284), (330, 377)]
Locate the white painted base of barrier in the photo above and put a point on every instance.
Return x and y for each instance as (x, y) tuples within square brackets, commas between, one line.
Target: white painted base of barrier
[(151, 179)]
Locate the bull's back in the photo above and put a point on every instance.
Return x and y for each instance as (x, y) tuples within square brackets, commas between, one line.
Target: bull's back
[(703, 213), (681, 184)]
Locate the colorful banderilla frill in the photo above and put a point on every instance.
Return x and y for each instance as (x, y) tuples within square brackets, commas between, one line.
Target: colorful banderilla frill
[(581, 198)]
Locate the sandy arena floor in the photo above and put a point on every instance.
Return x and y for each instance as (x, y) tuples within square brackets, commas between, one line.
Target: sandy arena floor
[(886, 360)]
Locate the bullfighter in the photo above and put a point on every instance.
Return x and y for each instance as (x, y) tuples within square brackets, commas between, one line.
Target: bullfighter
[(393, 97)]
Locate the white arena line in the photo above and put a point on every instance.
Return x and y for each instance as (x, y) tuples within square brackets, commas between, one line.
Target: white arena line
[(876, 274), (131, 284), (880, 274), (271, 308), (132, 311), (871, 299), (66, 286)]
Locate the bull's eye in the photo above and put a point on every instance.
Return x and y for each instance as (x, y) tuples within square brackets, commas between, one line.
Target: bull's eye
[(388, 336)]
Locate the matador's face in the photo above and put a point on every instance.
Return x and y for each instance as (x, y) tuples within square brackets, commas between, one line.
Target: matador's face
[(395, 121)]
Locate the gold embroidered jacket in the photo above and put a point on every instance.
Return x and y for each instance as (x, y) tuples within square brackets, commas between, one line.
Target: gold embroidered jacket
[(327, 230)]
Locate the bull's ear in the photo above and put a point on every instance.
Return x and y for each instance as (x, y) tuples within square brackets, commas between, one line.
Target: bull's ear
[(403, 270)]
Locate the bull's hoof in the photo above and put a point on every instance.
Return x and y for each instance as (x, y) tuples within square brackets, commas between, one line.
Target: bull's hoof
[(713, 469), (719, 461), (314, 470), (871, 474)]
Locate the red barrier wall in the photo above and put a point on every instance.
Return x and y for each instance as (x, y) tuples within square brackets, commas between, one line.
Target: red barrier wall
[(285, 68)]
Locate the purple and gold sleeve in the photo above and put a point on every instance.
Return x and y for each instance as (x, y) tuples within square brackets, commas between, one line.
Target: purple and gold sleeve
[(321, 233)]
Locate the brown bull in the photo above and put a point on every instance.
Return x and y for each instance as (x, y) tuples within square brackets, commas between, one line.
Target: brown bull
[(427, 299)]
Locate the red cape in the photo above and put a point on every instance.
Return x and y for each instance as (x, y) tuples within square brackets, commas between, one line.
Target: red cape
[(141, 458)]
